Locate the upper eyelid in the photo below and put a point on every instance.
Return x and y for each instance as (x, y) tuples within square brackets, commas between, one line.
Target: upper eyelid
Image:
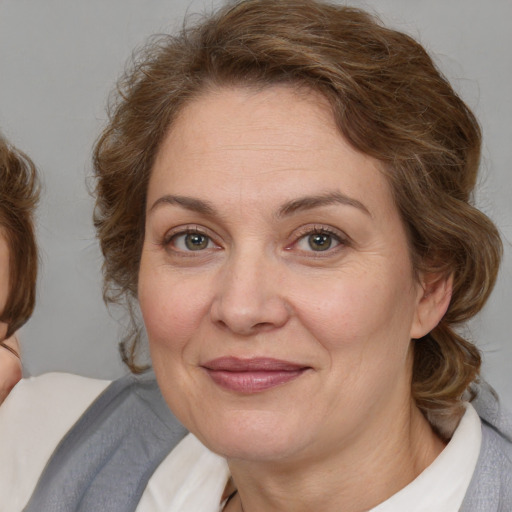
[(320, 228), (187, 229), (218, 233)]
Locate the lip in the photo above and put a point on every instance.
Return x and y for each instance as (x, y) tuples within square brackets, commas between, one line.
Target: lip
[(252, 375)]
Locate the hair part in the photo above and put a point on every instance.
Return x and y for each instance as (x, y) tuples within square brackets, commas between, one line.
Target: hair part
[(388, 100)]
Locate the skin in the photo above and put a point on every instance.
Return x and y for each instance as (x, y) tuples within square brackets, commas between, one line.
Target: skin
[(10, 365), (345, 434)]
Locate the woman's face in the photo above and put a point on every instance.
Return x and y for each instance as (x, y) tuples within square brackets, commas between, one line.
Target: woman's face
[(275, 283)]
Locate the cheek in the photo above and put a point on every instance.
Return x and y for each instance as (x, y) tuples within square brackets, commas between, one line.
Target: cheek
[(349, 312), (171, 314)]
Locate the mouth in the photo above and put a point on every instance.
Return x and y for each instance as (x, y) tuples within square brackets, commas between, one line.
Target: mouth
[(252, 375)]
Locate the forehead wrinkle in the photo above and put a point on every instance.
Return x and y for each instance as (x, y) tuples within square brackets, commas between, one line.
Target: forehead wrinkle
[(263, 146)]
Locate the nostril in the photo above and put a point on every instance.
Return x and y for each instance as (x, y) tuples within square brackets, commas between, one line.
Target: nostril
[(263, 326), (221, 324), (246, 329)]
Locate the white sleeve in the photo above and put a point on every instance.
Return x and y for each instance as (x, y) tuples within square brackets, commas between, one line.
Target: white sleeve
[(33, 419)]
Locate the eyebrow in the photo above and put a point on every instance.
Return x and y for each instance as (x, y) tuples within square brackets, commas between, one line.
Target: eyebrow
[(289, 208), (189, 203), (310, 202)]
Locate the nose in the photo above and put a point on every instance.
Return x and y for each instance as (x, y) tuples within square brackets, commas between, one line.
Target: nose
[(250, 296)]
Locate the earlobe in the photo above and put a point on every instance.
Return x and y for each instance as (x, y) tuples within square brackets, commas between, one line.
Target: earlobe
[(434, 298)]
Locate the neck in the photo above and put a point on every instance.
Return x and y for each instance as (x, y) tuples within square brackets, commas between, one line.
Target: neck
[(354, 478)]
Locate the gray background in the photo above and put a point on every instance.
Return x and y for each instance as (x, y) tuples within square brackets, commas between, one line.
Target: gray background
[(60, 58)]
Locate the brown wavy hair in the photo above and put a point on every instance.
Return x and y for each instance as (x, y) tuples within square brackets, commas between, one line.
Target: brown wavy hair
[(389, 101), (19, 194)]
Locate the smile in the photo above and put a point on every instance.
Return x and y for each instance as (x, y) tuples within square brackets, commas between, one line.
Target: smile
[(252, 375)]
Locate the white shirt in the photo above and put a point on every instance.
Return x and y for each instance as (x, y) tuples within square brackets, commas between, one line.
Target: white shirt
[(41, 410)]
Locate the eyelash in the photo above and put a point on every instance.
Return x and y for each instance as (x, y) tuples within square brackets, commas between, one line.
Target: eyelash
[(301, 234)]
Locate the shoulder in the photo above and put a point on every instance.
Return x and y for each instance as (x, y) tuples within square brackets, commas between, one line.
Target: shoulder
[(496, 450), (490, 489), (55, 388), (491, 486), (33, 419), (53, 400), (111, 451)]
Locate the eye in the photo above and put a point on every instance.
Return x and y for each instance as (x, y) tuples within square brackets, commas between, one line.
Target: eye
[(320, 240), (190, 241)]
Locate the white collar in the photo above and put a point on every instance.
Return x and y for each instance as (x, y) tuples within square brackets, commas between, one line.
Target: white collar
[(199, 477), (190, 479)]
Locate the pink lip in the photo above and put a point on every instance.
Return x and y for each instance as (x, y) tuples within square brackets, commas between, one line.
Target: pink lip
[(251, 375)]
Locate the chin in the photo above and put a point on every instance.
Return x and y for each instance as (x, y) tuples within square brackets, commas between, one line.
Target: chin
[(254, 435)]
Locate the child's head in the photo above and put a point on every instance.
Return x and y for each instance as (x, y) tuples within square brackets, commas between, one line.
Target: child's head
[(19, 193)]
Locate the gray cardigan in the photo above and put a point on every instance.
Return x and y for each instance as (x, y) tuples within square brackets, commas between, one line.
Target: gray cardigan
[(490, 489), (106, 459)]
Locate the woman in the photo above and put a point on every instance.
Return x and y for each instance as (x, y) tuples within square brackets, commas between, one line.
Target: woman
[(18, 257), (285, 190)]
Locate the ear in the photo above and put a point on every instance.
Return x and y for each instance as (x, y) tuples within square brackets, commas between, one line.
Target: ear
[(434, 295)]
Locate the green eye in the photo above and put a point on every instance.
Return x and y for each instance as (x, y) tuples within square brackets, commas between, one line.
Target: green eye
[(191, 241), (196, 241), (320, 241)]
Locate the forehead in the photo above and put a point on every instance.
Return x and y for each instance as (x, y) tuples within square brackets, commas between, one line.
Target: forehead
[(277, 141), (279, 118)]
